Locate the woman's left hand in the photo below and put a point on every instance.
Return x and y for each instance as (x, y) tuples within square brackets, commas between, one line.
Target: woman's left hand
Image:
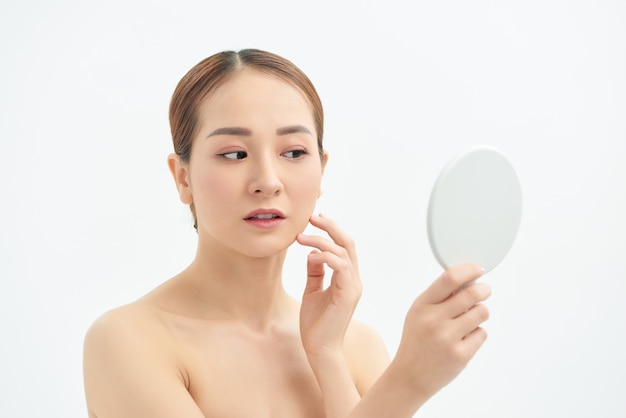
[(326, 313)]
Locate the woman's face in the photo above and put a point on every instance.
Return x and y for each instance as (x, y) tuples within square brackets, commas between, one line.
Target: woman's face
[(254, 174)]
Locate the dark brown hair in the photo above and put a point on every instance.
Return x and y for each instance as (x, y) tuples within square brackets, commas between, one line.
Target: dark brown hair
[(209, 74)]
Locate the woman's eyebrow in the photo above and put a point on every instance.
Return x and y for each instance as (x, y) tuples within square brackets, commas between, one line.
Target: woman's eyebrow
[(293, 130), (237, 131)]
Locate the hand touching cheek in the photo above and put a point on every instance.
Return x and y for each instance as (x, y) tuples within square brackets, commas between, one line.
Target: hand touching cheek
[(326, 312)]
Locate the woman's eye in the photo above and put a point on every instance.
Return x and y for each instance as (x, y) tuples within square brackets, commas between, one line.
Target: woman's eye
[(234, 155), (294, 154)]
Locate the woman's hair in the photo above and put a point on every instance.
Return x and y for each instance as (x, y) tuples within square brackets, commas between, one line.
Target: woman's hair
[(212, 72)]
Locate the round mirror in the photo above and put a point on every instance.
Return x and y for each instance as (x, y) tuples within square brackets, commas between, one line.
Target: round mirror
[(475, 209)]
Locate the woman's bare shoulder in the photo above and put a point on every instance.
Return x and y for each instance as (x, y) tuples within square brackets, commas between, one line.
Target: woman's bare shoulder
[(366, 354), (141, 316), (129, 362), (360, 332), (118, 336), (135, 317), (123, 334)]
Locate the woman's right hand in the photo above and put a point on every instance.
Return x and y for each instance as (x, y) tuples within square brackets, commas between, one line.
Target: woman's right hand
[(442, 330)]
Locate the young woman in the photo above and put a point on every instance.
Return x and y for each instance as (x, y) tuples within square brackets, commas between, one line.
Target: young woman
[(222, 338)]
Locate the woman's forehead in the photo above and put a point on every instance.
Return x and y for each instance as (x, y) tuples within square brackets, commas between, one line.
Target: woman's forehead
[(248, 92), (249, 82)]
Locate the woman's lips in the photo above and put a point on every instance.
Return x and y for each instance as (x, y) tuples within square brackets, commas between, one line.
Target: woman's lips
[(265, 218)]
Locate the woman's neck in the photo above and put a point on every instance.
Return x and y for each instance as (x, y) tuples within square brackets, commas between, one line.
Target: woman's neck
[(229, 285)]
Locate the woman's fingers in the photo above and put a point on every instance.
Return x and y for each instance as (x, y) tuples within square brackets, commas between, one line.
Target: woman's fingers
[(473, 341), (456, 300), (322, 244), (326, 312), (315, 274), (330, 251), (338, 252), (450, 281), (336, 234), (335, 262), (465, 299), (471, 320)]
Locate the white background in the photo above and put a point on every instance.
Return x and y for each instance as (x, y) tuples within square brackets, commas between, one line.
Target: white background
[(90, 220)]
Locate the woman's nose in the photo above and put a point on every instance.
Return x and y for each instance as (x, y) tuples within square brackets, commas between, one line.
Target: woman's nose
[(265, 179)]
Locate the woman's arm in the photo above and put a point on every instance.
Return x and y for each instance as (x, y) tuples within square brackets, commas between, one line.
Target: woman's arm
[(441, 332), (125, 376), (326, 312)]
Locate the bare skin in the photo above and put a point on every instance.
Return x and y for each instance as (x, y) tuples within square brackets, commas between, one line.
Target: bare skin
[(213, 365), (223, 339)]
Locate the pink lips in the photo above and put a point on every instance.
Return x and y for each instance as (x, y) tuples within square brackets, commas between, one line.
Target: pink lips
[(265, 218)]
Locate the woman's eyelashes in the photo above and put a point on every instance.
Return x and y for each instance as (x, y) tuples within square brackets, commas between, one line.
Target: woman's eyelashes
[(234, 155), (293, 154)]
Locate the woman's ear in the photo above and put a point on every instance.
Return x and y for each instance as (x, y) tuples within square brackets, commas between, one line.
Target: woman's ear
[(324, 160), (180, 172)]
